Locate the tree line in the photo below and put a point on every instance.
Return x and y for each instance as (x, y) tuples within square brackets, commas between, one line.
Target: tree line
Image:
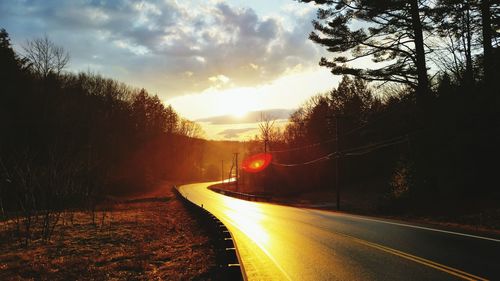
[(69, 140), (415, 117)]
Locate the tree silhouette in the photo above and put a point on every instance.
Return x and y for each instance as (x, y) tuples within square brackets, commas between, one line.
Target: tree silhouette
[(68, 140), (10, 61), (391, 34), (267, 130), (490, 29), (45, 56), (458, 21)]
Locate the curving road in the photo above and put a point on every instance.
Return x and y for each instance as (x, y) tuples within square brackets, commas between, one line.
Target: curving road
[(287, 243)]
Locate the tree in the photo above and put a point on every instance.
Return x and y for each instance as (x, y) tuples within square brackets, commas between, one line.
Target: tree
[(488, 22), (457, 20), (391, 33), (189, 129), (267, 129), (172, 119), (8, 58), (295, 132), (318, 124), (45, 56), (468, 27)]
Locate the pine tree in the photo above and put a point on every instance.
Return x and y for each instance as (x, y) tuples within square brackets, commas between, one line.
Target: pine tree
[(389, 32), (490, 23)]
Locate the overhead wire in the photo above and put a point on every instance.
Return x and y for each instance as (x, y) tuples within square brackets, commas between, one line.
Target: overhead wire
[(360, 150), (371, 145), (322, 158), (368, 150), (378, 118), (303, 147)]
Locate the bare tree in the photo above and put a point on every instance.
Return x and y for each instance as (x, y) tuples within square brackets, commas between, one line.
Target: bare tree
[(267, 129), (45, 56), (189, 128), (448, 56)]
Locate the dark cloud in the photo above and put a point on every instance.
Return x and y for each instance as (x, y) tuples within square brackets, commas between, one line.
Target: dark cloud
[(250, 117), (166, 47), (234, 133)]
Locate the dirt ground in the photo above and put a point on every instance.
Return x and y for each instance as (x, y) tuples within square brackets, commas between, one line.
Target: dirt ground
[(145, 239)]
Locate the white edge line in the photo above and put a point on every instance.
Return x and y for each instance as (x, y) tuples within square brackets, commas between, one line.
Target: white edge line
[(394, 223), (415, 226), (389, 222)]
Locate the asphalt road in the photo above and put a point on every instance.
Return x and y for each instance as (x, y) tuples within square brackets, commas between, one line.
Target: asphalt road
[(287, 243)]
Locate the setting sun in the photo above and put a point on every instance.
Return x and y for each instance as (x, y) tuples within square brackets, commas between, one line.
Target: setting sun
[(239, 114), (236, 102)]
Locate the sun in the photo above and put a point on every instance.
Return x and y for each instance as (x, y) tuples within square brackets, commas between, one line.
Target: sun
[(237, 109), (236, 102), (239, 114)]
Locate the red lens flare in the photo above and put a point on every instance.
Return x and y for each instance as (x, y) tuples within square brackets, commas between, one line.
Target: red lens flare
[(257, 162)]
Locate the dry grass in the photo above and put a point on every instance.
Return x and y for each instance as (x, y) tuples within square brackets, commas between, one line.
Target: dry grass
[(146, 240)]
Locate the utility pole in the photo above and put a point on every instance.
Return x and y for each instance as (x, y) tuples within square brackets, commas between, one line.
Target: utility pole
[(237, 171), (222, 172), (337, 156), (230, 172)]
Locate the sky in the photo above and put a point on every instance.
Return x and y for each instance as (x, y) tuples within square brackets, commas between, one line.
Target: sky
[(206, 58)]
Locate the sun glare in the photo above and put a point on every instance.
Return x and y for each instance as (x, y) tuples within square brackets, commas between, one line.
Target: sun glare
[(256, 163), (239, 114), (236, 102)]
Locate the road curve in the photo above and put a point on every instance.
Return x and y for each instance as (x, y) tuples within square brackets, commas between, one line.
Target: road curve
[(287, 243)]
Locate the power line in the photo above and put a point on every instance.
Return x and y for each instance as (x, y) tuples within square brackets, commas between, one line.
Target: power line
[(371, 145), (376, 148), (360, 150), (322, 158), (303, 147), (376, 119)]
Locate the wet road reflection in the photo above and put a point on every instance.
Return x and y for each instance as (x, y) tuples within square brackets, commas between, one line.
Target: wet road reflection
[(285, 243)]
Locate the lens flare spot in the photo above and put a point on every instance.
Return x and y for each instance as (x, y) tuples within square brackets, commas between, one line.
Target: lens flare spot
[(257, 162)]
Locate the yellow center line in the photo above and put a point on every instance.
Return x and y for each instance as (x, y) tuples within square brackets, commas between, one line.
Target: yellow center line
[(450, 270)]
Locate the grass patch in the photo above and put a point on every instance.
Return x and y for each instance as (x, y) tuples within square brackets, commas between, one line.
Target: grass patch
[(145, 239)]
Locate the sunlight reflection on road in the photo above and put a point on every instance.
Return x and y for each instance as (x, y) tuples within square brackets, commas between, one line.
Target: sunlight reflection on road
[(248, 218), (285, 243), (268, 238), (250, 227)]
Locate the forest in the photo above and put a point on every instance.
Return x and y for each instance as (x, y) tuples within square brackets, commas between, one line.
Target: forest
[(415, 130), (69, 141)]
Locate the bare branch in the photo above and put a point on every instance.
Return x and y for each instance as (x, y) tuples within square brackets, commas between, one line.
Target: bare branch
[(45, 57)]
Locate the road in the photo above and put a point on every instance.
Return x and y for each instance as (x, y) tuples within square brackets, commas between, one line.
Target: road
[(287, 243)]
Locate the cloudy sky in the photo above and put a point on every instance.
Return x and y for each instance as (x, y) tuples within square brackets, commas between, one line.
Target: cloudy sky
[(206, 58)]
